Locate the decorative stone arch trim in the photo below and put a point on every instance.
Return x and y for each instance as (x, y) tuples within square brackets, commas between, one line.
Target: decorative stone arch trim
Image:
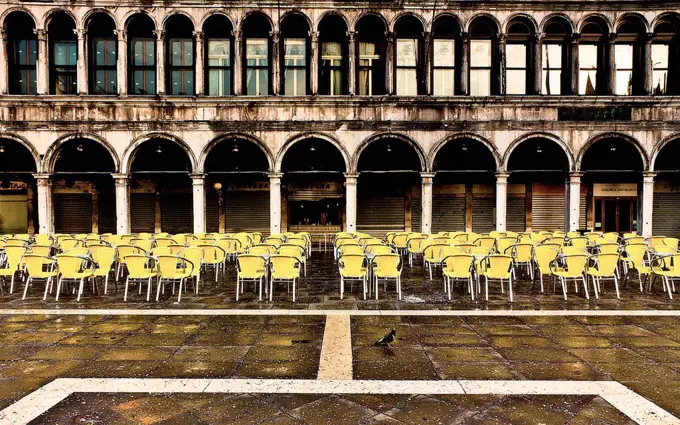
[(520, 16), (562, 16), (50, 158), (9, 11), (539, 135), (607, 21), (92, 12), (613, 135), (659, 147), (131, 150), (389, 135), (458, 136), (25, 143), (303, 136), (333, 13), (241, 136)]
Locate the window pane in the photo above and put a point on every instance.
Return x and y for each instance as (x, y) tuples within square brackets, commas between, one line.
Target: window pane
[(444, 82), (65, 53), (337, 86), (660, 56), (365, 76), (552, 82), (624, 83), (367, 50), (444, 53), (150, 81), (516, 82), (331, 51), (181, 52), (407, 51), (623, 55), (552, 56), (516, 56), (659, 79), (480, 82), (27, 52), (587, 56), (144, 52), (480, 51), (294, 51), (587, 82), (219, 82), (257, 51), (219, 52), (407, 82)]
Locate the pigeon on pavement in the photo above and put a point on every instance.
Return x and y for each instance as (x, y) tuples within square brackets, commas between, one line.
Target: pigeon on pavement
[(388, 339)]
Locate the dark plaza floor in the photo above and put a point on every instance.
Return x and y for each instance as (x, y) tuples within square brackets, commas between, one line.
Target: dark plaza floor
[(641, 352)]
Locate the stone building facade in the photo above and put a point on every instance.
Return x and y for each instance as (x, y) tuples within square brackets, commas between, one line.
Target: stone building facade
[(393, 115)]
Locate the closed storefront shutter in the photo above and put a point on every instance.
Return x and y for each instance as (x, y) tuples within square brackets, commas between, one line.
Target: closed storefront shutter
[(177, 214), (13, 213), (72, 212), (107, 211), (377, 216), (483, 209), (548, 207), (142, 212), (516, 214), (448, 214), (583, 211), (212, 212), (665, 217), (416, 214), (246, 212)]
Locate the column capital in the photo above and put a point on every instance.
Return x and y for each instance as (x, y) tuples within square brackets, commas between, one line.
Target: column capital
[(198, 35), (575, 176), (648, 37), (389, 35), (575, 38), (502, 177), (120, 176), (275, 176), (351, 35), (275, 36), (427, 175), (501, 37), (464, 37), (160, 35), (648, 176), (353, 176), (80, 32), (314, 35), (197, 176), (43, 178), (122, 35), (427, 35), (538, 37), (611, 37), (236, 34), (41, 33), (3, 33)]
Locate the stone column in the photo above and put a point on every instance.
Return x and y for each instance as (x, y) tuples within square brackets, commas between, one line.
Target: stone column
[(198, 191), (351, 202), (464, 63), (351, 63), (426, 197), (160, 62), (238, 60), (389, 63), (121, 64), (427, 63), (3, 62), (122, 182), (500, 65), (611, 64), (647, 202), (275, 203), (199, 65), (501, 200), (647, 65), (45, 210), (276, 64), (574, 200), (81, 64), (573, 64), (314, 65), (537, 56), (42, 70)]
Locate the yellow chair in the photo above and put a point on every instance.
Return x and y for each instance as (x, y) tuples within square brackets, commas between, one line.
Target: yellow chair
[(459, 238), (603, 269), (655, 241), (140, 268), (245, 240), (611, 237), (350, 249), (74, 267), (572, 269), (634, 240), (122, 251), (159, 250), (432, 256), (502, 244), (232, 247), (415, 247), (379, 249), (250, 267), (213, 256), (195, 256), (521, 254), (607, 248), (257, 237), (399, 242), (636, 257), (283, 269), (671, 242), (496, 267), (172, 268), (145, 244), (486, 242), (352, 267), (43, 239), (104, 259), (39, 267), (273, 240), (573, 235), (543, 256), (387, 267), (568, 250), (458, 267), (581, 242), (667, 266), (68, 243), (12, 263), (262, 249), (163, 242), (298, 252), (41, 250), (82, 251)]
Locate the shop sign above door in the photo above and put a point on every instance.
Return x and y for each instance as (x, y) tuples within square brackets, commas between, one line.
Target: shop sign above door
[(615, 189)]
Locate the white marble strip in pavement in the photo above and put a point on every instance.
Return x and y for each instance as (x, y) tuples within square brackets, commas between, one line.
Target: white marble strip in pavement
[(335, 362), (628, 402), (301, 312)]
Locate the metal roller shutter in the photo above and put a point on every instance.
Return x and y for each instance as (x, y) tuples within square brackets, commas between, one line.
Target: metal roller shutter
[(177, 213), (416, 214), (583, 212), (515, 220), (142, 212), (13, 213), (448, 214), (547, 212), (665, 219), (212, 212), (247, 212), (377, 216), (107, 211), (73, 213), (483, 214)]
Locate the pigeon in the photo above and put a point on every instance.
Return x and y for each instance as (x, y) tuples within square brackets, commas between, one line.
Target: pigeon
[(388, 339)]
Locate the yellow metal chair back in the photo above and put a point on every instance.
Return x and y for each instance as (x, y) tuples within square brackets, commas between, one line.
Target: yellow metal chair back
[(608, 248), (521, 252), (569, 250), (250, 266), (496, 266), (293, 251), (103, 258), (245, 240), (387, 265), (285, 267), (543, 256), (137, 266), (573, 235), (634, 240), (672, 242), (43, 239), (479, 251), (160, 250), (35, 266), (458, 266), (636, 253), (502, 244), (606, 263), (486, 242), (452, 250), (276, 241), (655, 241), (147, 236), (399, 240), (77, 251), (574, 265), (68, 243), (664, 249), (261, 249), (213, 254), (194, 255), (145, 244), (592, 236), (379, 249), (581, 242), (163, 242), (73, 266), (125, 250), (433, 253), (611, 237), (460, 237), (41, 250), (350, 249), (175, 249), (352, 265), (230, 245), (169, 267)]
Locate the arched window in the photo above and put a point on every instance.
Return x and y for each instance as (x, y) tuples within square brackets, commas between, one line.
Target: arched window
[(22, 52), (664, 56), (555, 57), (141, 56), (63, 54), (483, 75), (628, 54), (519, 62), (180, 56), (256, 30), (218, 47), (409, 53), (295, 57), (103, 49), (333, 58), (371, 54), (591, 57), (445, 56)]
